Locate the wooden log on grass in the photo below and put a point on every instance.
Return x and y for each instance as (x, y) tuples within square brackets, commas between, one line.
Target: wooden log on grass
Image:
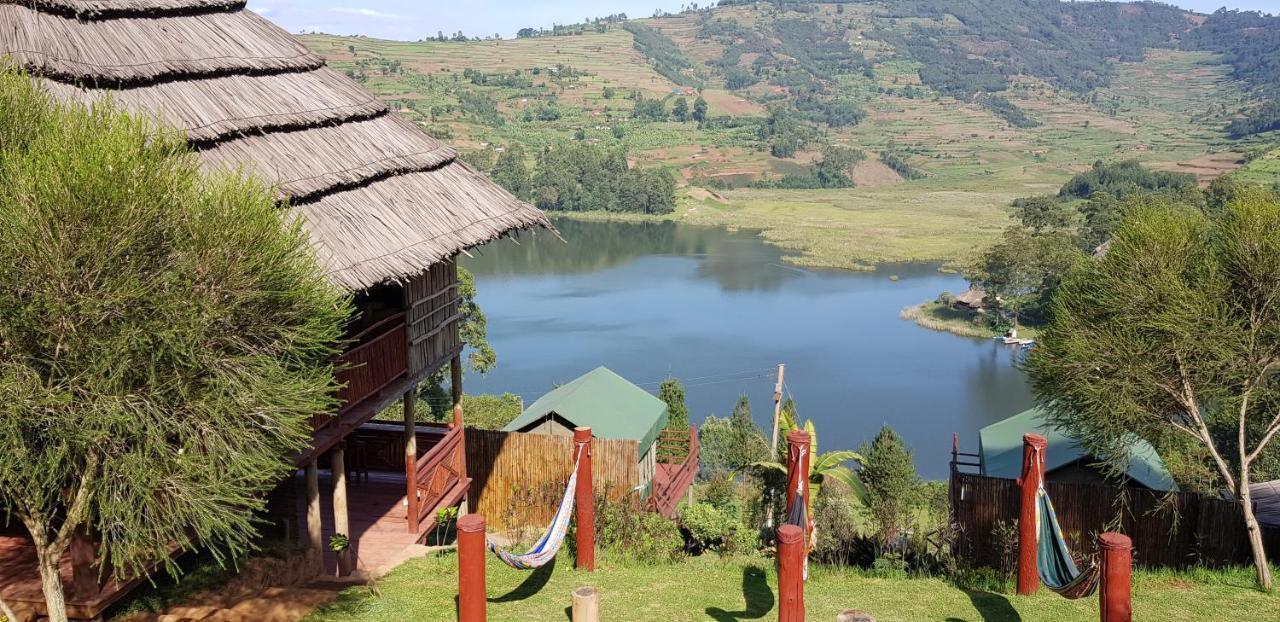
[(586, 604)]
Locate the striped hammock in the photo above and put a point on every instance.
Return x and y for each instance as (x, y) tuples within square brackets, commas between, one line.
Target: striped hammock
[(798, 513), (1058, 571), (547, 547)]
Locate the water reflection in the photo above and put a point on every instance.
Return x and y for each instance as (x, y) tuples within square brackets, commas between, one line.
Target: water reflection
[(719, 309)]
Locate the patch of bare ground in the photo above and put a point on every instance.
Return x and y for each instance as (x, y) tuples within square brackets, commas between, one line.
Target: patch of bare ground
[(874, 174), (703, 194), (1207, 167)]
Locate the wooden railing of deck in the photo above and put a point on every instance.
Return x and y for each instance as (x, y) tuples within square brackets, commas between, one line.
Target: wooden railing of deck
[(379, 357), (440, 477), (674, 445)]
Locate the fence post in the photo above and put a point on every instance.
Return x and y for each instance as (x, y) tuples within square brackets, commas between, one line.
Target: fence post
[(584, 503), (1116, 572), (790, 574), (1033, 449), (797, 468), (471, 552)]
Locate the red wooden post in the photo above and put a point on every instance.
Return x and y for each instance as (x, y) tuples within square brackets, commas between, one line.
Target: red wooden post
[(1116, 572), (584, 502), (797, 466), (790, 574), (471, 552), (1033, 448)]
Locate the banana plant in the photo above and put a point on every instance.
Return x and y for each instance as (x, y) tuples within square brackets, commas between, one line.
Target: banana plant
[(833, 464)]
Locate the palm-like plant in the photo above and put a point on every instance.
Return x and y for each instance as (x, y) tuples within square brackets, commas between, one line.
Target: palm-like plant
[(833, 464)]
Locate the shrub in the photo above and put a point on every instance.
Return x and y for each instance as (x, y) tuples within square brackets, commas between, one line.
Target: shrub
[(891, 483), (635, 533), (709, 528)]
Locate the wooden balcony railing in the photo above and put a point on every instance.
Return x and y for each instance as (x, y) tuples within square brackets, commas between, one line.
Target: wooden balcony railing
[(440, 477), (378, 357), (678, 465)]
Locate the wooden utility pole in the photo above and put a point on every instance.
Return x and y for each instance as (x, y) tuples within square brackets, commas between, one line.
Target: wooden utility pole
[(777, 408), (773, 440)]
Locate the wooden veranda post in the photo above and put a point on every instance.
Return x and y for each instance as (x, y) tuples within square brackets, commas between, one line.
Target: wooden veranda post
[(471, 581), (1033, 450), (455, 390), (411, 458), (1115, 577), (790, 574), (315, 530), (584, 502), (341, 522)]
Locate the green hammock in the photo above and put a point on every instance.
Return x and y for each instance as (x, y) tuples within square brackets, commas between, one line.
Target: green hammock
[(1058, 571)]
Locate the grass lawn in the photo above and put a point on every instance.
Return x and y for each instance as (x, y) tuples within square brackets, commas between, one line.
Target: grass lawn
[(710, 588)]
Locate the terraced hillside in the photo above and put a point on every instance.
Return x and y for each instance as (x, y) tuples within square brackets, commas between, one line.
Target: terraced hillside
[(784, 84)]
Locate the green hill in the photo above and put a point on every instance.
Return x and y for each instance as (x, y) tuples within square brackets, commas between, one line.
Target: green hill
[(852, 132)]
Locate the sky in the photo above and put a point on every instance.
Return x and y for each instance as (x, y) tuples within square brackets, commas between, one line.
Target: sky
[(417, 19)]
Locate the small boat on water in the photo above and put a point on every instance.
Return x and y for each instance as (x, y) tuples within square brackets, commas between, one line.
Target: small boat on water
[(1014, 341)]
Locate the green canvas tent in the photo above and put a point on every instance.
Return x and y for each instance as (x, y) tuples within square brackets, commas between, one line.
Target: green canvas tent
[(1000, 452), (604, 401)]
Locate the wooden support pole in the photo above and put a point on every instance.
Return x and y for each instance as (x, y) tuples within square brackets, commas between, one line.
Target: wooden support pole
[(586, 605), (471, 554), (1114, 589), (411, 458), (1033, 450), (455, 380), (341, 519), (584, 502), (315, 546), (790, 574), (777, 407)]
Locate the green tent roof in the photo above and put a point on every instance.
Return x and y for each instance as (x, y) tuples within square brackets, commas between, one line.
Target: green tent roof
[(1000, 447), (610, 405)]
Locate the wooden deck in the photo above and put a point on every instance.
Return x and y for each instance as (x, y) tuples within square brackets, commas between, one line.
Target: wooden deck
[(20, 583), (378, 517)]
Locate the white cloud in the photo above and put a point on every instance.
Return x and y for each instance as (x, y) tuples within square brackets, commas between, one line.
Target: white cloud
[(364, 12)]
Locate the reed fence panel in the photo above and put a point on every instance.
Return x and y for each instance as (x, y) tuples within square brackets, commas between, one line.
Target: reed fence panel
[(1168, 530), (518, 479)]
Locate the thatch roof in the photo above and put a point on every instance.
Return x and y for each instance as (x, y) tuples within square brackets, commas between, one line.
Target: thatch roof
[(381, 199)]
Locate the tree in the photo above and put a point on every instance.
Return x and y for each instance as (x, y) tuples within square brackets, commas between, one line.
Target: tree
[(1044, 213), (1021, 272), (700, 110), (1174, 335), (165, 339), (890, 477), (511, 172), (680, 110), (671, 391), (733, 443)]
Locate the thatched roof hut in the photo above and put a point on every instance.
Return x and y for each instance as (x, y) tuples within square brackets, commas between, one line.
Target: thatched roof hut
[(381, 199)]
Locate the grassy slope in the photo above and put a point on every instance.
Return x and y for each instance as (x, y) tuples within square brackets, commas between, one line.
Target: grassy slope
[(1166, 111), (424, 589)]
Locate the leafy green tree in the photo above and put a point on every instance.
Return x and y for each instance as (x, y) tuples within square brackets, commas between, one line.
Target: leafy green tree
[(700, 110), (1102, 214), (165, 339), (1021, 272), (680, 110), (892, 484), (1174, 335), (671, 391), (732, 444), (1044, 213), (511, 172)]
